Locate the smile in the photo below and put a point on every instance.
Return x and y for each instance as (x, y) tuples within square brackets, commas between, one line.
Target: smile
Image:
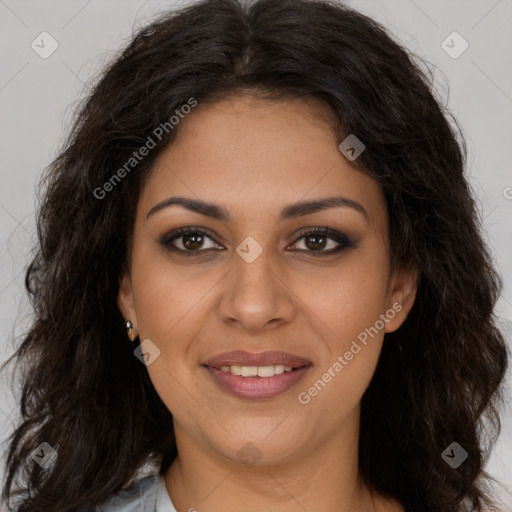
[(255, 387), (257, 371), (252, 375)]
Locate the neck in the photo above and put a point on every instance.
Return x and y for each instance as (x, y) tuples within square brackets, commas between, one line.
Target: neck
[(324, 478)]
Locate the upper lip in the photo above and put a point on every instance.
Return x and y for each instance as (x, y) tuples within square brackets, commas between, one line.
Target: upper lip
[(244, 358)]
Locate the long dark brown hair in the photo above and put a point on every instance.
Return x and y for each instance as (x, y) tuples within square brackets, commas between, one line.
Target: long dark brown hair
[(439, 375)]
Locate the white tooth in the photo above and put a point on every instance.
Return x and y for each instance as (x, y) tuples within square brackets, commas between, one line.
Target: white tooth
[(224, 368), (278, 368), (236, 370), (266, 371), (287, 368), (249, 371)]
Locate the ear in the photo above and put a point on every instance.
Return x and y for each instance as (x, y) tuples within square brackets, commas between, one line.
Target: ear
[(126, 301), (402, 290)]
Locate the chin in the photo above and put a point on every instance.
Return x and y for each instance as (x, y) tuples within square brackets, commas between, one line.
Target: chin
[(256, 447)]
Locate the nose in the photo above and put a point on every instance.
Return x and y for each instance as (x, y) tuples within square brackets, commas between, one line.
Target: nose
[(256, 295)]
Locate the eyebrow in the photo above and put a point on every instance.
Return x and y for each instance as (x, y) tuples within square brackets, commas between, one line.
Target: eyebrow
[(291, 211)]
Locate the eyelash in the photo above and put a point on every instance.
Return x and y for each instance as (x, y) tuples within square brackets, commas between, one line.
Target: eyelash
[(343, 241)]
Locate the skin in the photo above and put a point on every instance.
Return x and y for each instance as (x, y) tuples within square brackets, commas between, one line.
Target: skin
[(254, 157)]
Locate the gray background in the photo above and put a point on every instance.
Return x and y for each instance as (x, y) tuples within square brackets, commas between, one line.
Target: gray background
[(37, 97)]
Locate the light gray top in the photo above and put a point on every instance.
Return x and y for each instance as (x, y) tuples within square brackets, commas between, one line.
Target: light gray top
[(147, 493)]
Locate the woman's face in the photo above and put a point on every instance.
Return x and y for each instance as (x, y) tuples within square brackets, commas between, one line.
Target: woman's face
[(259, 280)]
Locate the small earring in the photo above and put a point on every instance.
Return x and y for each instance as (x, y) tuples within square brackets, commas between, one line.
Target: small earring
[(129, 329)]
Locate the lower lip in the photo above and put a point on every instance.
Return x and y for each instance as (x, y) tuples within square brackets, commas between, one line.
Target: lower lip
[(257, 387)]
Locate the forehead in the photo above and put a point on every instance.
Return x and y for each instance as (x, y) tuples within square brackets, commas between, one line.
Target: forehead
[(253, 155)]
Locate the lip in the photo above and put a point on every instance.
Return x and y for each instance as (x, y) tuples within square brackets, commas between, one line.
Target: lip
[(244, 358), (256, 387)]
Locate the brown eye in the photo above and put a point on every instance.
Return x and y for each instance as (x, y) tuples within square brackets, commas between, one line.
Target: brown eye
[(188, 241), (193, 241), (316, 241)]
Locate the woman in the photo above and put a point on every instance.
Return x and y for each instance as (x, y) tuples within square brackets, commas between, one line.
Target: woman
[(260, 270)]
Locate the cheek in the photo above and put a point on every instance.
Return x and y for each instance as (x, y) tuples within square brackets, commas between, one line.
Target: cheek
[(167, 296), (348, 306), (347, 300), (170, 311), (336, 389)]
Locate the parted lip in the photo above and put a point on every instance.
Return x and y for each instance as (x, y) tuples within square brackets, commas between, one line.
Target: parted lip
[(244, 358)]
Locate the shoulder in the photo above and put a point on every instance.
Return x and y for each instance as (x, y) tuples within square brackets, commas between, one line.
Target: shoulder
[(141, 496)]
